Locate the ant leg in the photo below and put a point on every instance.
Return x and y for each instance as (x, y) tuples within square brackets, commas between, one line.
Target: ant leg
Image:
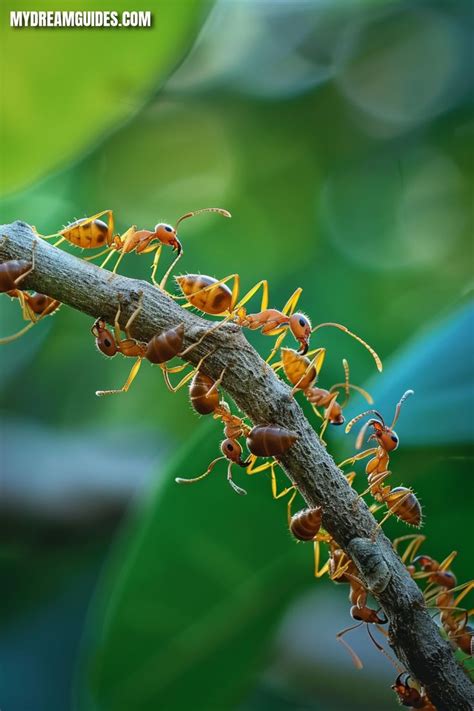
[(108, 258), (263, 284), (217, 382), (211, 466), (416, 541), (154, 266), (19, 334), (132, 317), (446, 564), (316, 362), (237, 489), (169, 270), (357, 662), (374, 355), (128, 382), (276, 346), (319, 572), (60, 241), (290, 305), (99, 254), (290, 503), (178, 369), (25, 274), (350, 477), (358, 457)]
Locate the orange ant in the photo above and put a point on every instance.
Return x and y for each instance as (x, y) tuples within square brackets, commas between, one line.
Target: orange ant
[(92, 232), (262, 440), (303, 373), (400, 501), (457, 629), (159, 350), (411, 694), (213, 296), (34, 306), (342, 569)]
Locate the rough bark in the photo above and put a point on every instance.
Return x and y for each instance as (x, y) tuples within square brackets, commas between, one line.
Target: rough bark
[(264, 398)]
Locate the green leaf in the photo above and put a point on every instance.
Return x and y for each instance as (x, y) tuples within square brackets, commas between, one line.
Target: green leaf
[(195, 587), (437, 365), (62, 89)]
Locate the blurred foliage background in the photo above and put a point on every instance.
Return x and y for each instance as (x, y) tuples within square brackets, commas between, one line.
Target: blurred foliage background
[(339, 135)]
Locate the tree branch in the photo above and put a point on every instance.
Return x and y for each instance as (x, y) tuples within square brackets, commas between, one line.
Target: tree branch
[(265, 399)]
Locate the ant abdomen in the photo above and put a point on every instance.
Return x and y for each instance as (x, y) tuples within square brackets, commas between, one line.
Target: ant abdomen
[(270, 440), (203, 402), (405, 505), (10, 272), (305, 524), (165, 346)]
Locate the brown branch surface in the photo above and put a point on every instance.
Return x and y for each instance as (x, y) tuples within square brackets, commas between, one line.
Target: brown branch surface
[(265, 399)]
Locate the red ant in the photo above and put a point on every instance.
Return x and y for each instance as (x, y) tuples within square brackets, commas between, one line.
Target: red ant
[(261, 440), (400, 501), (411, 694), (213, 296), (303, 374), (92, 232), (457, 629), (34, 306), (159, 350)]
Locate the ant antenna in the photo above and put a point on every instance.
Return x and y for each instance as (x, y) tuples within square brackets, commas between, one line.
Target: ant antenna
[(219, 210), (405, 395), (356, 419)]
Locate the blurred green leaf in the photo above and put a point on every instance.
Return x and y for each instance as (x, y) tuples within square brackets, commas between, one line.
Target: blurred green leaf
[(82, 82), (437, 365), (201, 580)]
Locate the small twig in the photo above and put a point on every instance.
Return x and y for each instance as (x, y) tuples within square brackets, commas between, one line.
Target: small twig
[(265, 399)]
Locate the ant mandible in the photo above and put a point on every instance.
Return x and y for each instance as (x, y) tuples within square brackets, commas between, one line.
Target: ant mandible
[(92, 232)]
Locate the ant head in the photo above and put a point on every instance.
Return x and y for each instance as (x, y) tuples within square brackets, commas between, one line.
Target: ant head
[(232, 450), (166, 234), (300, 327), (104, 340), (162, 229), (387, 438), (407, 692), (98, 326)]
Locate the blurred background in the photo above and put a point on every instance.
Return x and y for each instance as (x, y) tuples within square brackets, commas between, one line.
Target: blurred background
[(339, 135)]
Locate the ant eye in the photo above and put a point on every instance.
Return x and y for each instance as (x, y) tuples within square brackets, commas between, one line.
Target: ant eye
[(394, 438), (230, 447), (302, 322), (168, 228), (107, 342)]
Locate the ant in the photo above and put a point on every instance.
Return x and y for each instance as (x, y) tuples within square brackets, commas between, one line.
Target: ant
[(457, 629), (213, 296), (159, 350), (411, 694), (261, 440), (342, 569), (303, 374), (400, 501), (92, 232), (34, 306)]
